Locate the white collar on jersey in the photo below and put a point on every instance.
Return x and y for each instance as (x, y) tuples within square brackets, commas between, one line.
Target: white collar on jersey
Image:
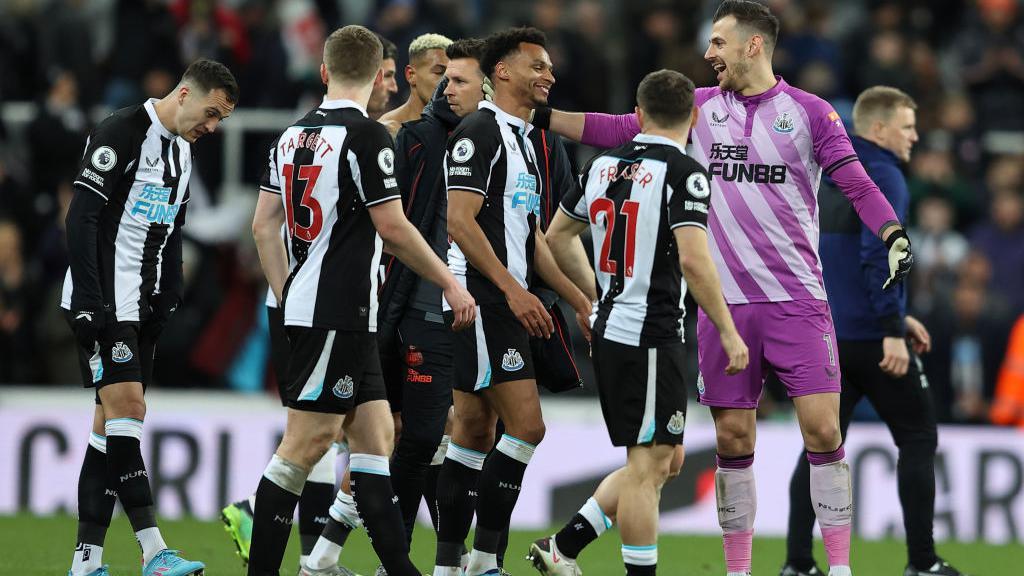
[(342, 103), (148, 105), (652, 139), (504, 116)]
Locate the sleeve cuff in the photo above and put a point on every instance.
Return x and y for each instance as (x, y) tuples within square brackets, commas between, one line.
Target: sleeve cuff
[(892, 326), (572, 214), (84, 185)]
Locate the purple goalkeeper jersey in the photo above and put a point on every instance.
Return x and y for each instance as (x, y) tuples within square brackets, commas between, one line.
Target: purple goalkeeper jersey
[(765, 155)]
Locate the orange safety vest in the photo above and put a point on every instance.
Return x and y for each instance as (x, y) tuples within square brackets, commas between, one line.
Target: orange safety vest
[(1008, 404)]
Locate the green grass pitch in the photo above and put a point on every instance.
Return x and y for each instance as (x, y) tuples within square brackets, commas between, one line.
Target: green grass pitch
[(32, 546)]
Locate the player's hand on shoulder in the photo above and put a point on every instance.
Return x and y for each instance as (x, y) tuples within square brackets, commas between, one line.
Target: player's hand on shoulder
[(736, 349), (462, 304), (530, 312)]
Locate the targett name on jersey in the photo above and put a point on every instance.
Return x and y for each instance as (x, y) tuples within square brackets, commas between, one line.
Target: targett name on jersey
[(742, 171), (152, 204), (312, 141)]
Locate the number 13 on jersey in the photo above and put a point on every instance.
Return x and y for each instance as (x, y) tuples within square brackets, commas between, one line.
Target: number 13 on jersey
[(623, 236), (308, 175)]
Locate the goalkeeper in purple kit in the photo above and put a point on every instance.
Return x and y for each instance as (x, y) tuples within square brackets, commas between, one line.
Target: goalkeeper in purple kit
[(766, 145)]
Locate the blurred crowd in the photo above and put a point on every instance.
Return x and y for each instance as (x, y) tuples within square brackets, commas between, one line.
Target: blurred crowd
[(962, 60)]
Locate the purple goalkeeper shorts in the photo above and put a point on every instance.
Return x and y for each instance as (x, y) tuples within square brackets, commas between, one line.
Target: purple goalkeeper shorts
[(795, 339)]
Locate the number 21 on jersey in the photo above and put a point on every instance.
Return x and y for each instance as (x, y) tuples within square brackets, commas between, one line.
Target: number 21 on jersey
[(623, 235), (305, 177)]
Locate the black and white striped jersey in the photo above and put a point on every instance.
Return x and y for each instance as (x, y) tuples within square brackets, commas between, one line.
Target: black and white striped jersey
[(141, 170), (329, 167), (633, 197), (489, 153)]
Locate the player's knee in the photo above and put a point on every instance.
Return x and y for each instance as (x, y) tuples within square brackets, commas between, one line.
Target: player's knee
[(532, 432), (924, 442), (417, 447), (734, 440), (822, 436), (678, 456), (125, 407), (315, 448)]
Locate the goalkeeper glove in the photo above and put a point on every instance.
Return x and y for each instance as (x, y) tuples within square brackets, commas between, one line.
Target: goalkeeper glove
[(900, 257), (488, 88)]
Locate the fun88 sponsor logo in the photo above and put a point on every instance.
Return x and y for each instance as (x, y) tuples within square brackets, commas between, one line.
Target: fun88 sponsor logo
[(525, 196), (152, 205)]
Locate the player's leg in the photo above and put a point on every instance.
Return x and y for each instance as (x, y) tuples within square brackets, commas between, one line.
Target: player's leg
[(799, 535), (806, 360), (733, 400), (342, 519), (518, 405), (472, 437), (122, 395), (427, 375), (906, 406), (307, 436), (647, 469), (436, 462), (95, 499), (735, 489), (317, 358), (370, 432), (95, 503)]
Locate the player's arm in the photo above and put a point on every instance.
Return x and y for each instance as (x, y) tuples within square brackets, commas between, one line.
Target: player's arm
[(834, 152), (100, 171), (463, 206), (266, 231), (874, 262), (471, 151), (688, 204), (405, 242), (702, 281), (549, 271), (266, 227), (590, 128), (374, 162), (563, 239), (572, 256), (172, 280)]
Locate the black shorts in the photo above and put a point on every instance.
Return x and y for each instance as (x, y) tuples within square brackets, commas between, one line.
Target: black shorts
[(332, 371), (278, 350), (495, 349), (643, 397), (421, 364), (125, 355)]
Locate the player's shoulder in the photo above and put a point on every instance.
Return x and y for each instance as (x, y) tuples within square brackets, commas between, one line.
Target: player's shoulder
[(681, 162), (702, 95), (125, 122), (816, 107), (482, 121)]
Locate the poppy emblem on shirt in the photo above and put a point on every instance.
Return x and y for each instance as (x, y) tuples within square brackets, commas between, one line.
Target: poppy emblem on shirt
[(783, 123)]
